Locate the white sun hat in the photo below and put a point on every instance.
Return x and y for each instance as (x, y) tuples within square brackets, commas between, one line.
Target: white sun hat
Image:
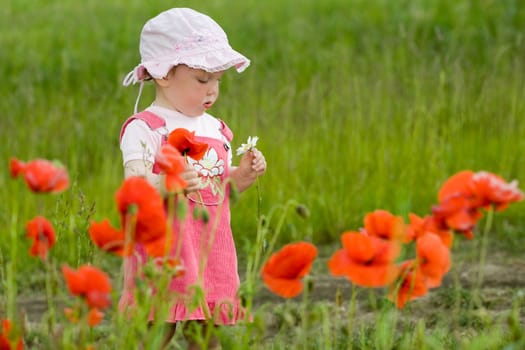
[(183, 36)]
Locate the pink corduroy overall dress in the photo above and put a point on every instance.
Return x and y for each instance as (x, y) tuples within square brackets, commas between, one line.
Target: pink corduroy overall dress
[(212, 241)]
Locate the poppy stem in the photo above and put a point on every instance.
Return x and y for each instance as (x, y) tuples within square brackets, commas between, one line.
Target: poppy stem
[(49, 295), (483, 255)]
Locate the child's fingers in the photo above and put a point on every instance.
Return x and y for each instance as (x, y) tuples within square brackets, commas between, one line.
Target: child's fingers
[(191, 177), (258, 161)]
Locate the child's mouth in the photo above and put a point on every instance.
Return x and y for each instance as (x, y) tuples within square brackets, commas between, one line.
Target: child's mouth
[(208, 105)]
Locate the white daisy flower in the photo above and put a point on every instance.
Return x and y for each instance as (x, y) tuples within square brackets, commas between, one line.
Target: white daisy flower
[(248, 146)]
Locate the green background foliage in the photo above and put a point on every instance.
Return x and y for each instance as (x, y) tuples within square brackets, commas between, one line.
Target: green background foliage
[(359, 104)]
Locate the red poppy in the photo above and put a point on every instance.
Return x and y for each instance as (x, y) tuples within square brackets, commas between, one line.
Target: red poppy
[(108, 238), (383, 224), (457, 184), (410, 284), (184, 141), (170, 265), (95, 316), (40, 175), (90, 283), (40, 230), (284, 270), (433, 259), (457, 212), (171, 163), (142, 209), (71, 315), (365, 260), (421, 225), (491, 189), (7, 340)]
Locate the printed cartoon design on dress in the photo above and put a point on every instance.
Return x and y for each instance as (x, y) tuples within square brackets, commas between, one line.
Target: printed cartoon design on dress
[(210, 168)]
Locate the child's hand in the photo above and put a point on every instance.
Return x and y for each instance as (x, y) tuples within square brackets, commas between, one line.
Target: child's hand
[(252, 164), (191, 177)]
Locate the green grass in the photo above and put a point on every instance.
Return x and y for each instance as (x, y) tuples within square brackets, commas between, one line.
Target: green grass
[(359, 105)]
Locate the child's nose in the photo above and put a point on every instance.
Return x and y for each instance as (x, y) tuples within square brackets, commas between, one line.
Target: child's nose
[(213, 88)]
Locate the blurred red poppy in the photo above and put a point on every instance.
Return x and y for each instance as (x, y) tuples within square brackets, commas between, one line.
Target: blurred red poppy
[(71, 315), (143, 218), (184, 141), (89, 283), (95, 316), (9, 341), (40, 230), (142, 210), (171, 163), (433, 259), (457, 184), (365, 260), (40, 175), (410, 284), (458, 213), (490, 189), (108, 238), (421, 225), (383, 224), (284, 270)]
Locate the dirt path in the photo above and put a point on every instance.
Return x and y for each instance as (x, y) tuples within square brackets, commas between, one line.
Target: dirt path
[(503, 283)]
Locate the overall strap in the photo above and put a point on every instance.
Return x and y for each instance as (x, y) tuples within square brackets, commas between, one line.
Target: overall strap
[(154, 122), (226, 131)]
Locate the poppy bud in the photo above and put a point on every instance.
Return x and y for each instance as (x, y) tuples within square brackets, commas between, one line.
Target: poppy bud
[(302, 211)]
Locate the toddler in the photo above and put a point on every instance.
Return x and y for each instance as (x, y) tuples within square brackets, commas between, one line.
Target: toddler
[(185, 53)]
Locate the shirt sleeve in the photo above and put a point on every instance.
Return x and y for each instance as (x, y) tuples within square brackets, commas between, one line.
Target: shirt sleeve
[(139, 142)]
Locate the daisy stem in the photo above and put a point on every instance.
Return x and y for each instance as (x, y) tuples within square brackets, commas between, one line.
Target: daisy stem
[(259, 198)]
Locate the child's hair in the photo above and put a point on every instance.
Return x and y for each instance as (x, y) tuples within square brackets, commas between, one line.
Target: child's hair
[(182, 36)]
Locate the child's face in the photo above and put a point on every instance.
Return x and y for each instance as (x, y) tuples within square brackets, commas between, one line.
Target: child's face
[(189, 91)]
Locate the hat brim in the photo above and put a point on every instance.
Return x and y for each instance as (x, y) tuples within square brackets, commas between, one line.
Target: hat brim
[(211, 61)]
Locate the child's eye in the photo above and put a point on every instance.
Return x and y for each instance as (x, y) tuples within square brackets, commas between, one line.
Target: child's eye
[(202, 81)]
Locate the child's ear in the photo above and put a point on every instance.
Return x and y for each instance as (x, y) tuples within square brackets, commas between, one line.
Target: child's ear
[(164, 82)]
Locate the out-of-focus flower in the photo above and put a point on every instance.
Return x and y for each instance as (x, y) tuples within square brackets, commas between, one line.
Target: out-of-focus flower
[(284, 270), (420, 225), (142, 217), (9, 341), (433, 259), (490, 189), (142, 213), (89, 283), (170, 266), (72, 315), (365, 260), (40, 230), (410, 284), (94, 317), (171, 163), (41, 175), (383, 224), (458, 213), (458, 184), (248, 146), (108, 238), (184, 141)]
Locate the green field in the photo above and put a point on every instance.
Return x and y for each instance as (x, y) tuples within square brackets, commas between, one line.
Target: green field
[(358, 104)]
